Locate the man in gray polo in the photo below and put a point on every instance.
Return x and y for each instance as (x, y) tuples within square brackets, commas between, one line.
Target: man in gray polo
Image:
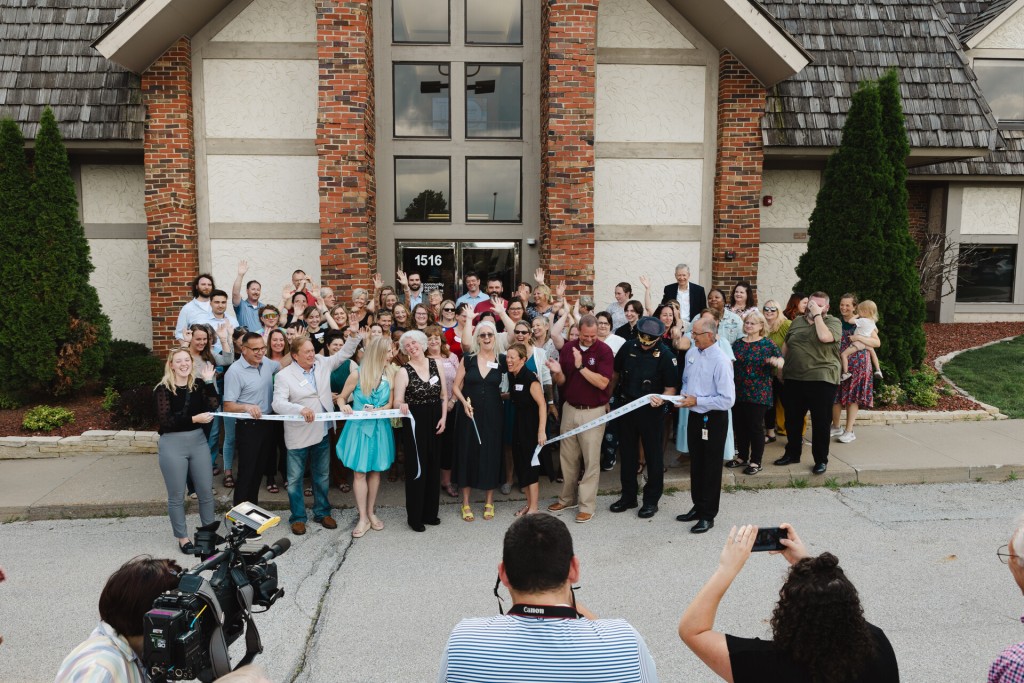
[(249, 388)]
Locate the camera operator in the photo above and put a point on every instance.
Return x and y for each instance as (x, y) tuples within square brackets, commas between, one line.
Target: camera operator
[(818, 627), (112, 652), (551, 636)]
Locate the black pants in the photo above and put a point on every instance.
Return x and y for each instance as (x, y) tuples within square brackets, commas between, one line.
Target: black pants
[(706, 460), (422, 495), (646, 425), (277, 463), (798, 398), (748, 430), (255, 444)]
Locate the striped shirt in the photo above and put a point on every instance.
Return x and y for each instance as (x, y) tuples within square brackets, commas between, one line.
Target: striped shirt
[(105, 657), (525, 649)]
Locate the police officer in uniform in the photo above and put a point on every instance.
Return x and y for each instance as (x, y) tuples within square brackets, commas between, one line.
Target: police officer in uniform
[(643, 365)]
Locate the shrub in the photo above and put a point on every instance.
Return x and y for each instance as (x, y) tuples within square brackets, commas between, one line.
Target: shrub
[(110, 397), (136, 371), (46, 418), (119, 351), (920, 388), (9, 402), (890, 395), (134, 408)]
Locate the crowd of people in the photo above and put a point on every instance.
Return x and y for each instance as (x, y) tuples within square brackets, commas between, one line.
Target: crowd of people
[(487, 380)]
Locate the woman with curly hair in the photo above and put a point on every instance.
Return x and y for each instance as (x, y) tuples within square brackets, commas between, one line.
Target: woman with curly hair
[(818, 627)]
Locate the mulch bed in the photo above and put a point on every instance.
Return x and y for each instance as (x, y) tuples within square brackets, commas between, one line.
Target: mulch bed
[(942, 339)]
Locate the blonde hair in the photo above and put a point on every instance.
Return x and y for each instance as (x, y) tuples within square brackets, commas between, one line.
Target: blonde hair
[(375, 366), (544, 291), (756, 316), (167, 381), (868, 309), (771, 328)]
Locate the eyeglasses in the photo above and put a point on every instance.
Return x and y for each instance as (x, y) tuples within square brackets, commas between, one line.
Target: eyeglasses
[(485, 335), (448, 310), (770, 309), (1004, 556), (256, 349), (697, 334)]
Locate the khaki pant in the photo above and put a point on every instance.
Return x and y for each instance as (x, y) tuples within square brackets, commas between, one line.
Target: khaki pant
[(587, 444)]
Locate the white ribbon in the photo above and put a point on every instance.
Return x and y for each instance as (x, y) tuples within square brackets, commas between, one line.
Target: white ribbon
[(607, 417), (354, 415)]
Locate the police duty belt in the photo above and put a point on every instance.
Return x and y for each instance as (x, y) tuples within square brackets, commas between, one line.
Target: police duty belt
[(607, 417), (331, 417)]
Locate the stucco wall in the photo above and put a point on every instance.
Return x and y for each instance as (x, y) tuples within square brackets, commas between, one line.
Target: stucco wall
[(1009, 35), (113, 194), (990, 211), (634, 23), (260, 98), (776, 270), (648, 191), (793, 193), (273, 21), (122, 280), (271, 262), (649, 103), (263, 189), (619, 261)]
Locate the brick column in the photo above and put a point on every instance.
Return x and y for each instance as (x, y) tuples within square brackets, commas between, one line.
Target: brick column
[(568, 60), (738, 175), (170, 188), (345, 140)]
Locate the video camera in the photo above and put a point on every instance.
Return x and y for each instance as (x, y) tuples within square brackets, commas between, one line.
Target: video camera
[(188, 631)]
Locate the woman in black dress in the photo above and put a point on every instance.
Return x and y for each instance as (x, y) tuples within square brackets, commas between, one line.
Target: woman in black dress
[(531, 415), (420, 390), (479, 423)]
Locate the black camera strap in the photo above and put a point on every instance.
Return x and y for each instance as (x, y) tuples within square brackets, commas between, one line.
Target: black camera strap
[(544, 611), (253, 644)]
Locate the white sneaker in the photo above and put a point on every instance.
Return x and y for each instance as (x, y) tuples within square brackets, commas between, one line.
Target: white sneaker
[(847, 437), (836, 431)]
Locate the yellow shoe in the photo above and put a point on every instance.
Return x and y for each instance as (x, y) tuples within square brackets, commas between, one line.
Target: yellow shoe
[(467, 514), (488, 511)]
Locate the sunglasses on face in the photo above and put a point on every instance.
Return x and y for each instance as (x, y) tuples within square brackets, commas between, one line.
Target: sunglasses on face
[(770, 309), (448, 310), (522, 332)]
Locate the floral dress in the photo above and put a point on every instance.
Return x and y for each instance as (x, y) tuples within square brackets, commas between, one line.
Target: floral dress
[(860, 388), (752, 372)]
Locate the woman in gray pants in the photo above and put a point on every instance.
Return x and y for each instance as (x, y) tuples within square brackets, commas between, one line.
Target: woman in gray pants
[(183, 406)]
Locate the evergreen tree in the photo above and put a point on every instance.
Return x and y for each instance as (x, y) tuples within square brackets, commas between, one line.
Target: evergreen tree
[(15, 233), (72, 341), (845, 238), (901, 305)]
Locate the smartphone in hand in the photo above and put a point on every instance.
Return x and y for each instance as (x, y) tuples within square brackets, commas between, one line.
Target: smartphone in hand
[(768, 539)]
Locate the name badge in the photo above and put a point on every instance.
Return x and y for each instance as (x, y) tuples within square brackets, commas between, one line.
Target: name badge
[(704, 434), (432, 380), (458, 339), (492, 365), (304, 383), (519, 387)]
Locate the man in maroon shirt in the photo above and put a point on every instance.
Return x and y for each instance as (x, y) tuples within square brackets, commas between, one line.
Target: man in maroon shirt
[(583, 370)]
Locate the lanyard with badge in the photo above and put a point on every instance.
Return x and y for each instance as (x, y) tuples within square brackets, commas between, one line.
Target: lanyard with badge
[(704, 430)]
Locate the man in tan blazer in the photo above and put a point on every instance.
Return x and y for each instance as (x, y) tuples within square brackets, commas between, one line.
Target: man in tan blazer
[(304, 388)]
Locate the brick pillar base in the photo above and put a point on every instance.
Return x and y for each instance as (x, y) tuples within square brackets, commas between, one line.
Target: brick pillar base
[(170, 188), (345, 140), (738, 170), (568, 58)]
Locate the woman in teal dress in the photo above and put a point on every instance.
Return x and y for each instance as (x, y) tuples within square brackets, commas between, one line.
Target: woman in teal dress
[(367, 447)]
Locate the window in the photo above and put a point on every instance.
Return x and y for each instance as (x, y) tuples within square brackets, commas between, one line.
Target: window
[(421, 100), (1002, 81), (493, 190), (494, 101), (419, 21), (422, 189), (494, 22), (986, 273)]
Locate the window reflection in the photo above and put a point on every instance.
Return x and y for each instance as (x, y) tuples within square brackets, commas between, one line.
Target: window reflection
[(494, 101), (1002, 81), (419, 21), (421, 100), (986, 273), (494, 22), (422, 189), (493, 190)]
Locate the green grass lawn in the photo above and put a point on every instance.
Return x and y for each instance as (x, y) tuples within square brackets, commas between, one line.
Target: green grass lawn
[(994, 374)]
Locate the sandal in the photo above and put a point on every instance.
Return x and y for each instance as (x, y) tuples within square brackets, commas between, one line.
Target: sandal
[(345, 487), (735, 462), (523, 511), (308, 491), (229, 481), (488, 511), (467, 514), (376, 524), (360, 530), (769, 439), (216, 470), (752, 468), (272, 488)]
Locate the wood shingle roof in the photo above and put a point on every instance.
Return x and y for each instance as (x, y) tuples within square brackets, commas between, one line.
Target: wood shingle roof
[(852, 41), (46, 60)]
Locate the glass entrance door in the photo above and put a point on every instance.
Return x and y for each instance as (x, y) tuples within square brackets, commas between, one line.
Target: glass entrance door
[(443, 264)]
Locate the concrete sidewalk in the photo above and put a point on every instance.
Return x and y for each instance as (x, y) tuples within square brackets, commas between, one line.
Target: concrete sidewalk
[(105, 485)]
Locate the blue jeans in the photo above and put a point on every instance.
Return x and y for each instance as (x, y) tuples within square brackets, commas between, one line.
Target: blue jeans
[(213, 438), (229, 442), (318, 456)]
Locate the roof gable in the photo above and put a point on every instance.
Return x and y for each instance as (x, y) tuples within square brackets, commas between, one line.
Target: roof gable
[(988, 20)]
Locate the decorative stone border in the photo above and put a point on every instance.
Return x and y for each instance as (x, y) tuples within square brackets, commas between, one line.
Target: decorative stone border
[(941, 361), (125, 442)]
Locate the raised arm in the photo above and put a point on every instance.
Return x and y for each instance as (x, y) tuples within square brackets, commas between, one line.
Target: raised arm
[(236, 287), (646, 282)]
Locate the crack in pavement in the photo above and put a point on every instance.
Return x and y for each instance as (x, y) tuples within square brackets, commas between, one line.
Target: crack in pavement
[(313, 631)]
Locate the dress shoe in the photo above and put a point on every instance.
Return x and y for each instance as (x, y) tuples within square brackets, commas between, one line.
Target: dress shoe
[(786, 460), (583, 517), (298, 528), (432, 522), (417, 527), (647, 511), (819, 468), (558, 507), (689, 516), (622, 505), (187, 548), (328, 522), (703, 526)]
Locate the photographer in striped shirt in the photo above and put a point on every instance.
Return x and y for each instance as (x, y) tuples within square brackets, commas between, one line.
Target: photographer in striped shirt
[(546, 635)]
